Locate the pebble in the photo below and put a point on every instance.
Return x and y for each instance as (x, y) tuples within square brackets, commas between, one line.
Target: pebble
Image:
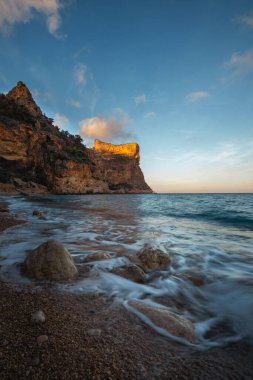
[(94, 332), (35, 361), (42, 339), (38, 317)]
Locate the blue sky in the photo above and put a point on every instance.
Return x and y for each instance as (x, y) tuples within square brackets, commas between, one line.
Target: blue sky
[(174, 75)]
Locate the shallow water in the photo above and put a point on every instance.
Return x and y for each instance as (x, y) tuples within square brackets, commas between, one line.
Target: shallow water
[(208, 236)]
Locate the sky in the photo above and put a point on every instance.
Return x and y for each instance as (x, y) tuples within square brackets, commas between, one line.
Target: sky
[(176, 76)]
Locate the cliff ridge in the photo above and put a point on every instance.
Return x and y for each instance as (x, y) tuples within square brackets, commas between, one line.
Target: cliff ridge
[(36, 156)]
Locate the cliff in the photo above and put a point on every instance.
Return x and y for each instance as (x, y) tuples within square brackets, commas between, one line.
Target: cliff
[(130, 149), (35, 156)]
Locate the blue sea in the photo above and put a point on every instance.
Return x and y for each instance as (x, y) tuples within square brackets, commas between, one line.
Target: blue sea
[(208, 236)]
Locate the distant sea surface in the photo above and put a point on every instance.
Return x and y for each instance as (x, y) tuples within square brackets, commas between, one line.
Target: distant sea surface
[(208, 236)]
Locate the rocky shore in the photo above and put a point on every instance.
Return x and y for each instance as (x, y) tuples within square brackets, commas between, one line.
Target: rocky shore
[(89, 336)]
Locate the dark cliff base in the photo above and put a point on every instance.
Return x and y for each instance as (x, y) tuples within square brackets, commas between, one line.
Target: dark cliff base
[(90, 337)]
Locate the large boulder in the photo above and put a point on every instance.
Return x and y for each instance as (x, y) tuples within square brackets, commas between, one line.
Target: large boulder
[(50, 261), (174, 323), (152, 258)]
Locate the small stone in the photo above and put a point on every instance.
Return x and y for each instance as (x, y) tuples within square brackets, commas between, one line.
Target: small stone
[(28, 371), (35, 361), (94, 332), (42, 339), (38, 317)]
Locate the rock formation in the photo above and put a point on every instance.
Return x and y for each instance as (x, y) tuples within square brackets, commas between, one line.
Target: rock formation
[(151, 258), (35, 156), (174, 323)]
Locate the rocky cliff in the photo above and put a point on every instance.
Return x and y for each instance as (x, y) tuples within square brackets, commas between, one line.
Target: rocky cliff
[(35, 156)]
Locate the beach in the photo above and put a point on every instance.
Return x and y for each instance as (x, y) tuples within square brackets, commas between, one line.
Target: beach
[(92, 336)]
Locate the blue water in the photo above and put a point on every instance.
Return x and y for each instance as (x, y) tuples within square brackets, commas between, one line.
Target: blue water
[(208, 236)]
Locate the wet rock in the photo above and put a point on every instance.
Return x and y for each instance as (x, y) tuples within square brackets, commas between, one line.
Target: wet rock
[(38, 317), (39, 214), (3, 209), (94, 332), (174, 323), (131, 272), (50, 261), (152, 258), (195, 278), (96, 257), (42, 339)]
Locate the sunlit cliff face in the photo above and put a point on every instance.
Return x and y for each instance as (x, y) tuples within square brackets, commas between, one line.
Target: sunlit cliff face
[(130, 149)]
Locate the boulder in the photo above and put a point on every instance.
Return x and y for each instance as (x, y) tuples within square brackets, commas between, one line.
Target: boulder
[(174, 323), (152, 258), (131, 272), (50, 261)]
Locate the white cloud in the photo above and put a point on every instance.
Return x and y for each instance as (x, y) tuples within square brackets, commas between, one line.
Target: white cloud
[(196, 96), (104, 128), (74, 103), (80, 74), (149, 114), (45, 97), (141, 99), (22, 11), (240, 63), (247, 21), (60, 120)]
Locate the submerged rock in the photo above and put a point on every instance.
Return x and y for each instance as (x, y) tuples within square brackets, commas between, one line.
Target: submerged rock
[(152, 258), (96, 257), (39, 214), (174, 323), (50, 261), (131, 272)]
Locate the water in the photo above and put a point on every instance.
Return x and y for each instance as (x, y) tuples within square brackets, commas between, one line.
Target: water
[(208, 236)]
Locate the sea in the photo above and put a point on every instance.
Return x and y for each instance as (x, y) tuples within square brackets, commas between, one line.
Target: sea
[(209, 238)]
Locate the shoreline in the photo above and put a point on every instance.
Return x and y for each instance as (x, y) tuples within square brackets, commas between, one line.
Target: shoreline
[(90, 336)]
